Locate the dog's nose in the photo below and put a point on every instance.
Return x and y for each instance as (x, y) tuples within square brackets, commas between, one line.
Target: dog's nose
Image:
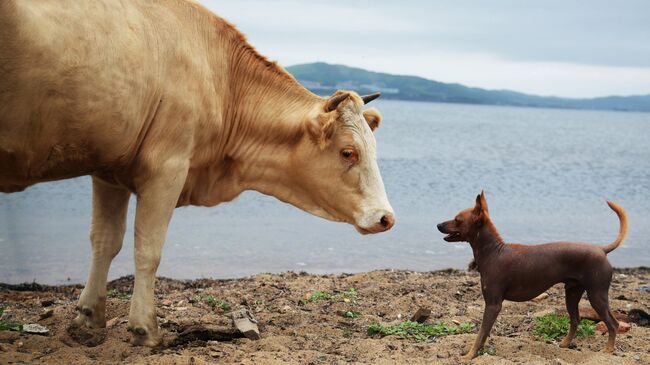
[(440, 227)]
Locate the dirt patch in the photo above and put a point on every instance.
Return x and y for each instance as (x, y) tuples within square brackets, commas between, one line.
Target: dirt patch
[(311, 319)]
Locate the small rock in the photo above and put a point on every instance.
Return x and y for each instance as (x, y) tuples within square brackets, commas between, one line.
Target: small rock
[(622, 327), (421, 315), (457, 323), (47, 314), (180, 309), (245, 323), (639, 317), (19, 344), (540, 297), (36, 329), (636, 358), (113, 322), (643, 289), (399, 316), (167, 303), (47, 302), (180, 302), (285, 309)]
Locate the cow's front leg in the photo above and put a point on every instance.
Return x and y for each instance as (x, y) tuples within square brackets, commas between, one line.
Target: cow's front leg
[(157, 197), (106, 235)]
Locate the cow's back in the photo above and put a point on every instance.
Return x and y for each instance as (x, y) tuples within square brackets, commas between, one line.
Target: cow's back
[(79, 83)]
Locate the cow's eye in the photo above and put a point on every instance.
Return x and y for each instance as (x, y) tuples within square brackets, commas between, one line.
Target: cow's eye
[(349, 154)]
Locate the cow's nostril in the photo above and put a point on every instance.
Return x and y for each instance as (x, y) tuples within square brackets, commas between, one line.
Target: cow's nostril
[(387, 221)]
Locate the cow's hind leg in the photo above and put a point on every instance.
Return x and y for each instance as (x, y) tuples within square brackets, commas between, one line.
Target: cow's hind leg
[(106, 235), (157, 198)]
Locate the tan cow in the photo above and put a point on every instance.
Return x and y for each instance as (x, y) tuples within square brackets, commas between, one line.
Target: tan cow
[(165, 100)]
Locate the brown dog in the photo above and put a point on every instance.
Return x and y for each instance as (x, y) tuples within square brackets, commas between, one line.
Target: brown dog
[(521, 272)]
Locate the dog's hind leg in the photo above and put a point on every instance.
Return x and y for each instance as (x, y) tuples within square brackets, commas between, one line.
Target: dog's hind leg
[(599, 301), (573, 294)]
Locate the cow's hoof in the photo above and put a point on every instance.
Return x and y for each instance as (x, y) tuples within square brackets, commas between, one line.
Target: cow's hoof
[(87, 317), (142, 337)]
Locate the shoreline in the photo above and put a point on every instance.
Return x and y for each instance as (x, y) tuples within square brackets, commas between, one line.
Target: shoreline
[(36, 286), (318, 331)]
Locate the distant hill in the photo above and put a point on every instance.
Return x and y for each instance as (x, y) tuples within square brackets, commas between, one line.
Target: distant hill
[(323, 78)]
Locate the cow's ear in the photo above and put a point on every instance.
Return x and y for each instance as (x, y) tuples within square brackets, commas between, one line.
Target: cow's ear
[(373, 118), (321, 129)]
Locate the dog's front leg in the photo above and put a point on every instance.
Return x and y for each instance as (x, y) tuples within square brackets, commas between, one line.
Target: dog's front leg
[(492, 310)]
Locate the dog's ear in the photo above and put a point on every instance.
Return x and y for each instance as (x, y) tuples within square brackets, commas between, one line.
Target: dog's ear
[(484, 205), (481, 208)]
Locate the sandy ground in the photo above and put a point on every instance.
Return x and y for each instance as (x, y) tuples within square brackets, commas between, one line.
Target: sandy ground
[(315, 333)]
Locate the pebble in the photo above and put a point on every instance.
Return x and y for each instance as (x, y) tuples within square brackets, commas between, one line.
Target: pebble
[(636, 357), (167, 303), (47, 314), (35, 329), (622, 327), (285, 309), (540, 297), (180, 309)]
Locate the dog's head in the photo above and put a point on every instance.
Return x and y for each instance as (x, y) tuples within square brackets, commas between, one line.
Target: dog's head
[(467, 223)]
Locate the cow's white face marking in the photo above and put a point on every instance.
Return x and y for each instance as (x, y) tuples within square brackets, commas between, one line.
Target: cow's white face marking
[(341, 180)]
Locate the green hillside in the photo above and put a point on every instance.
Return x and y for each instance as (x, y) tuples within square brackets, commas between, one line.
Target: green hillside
[(323, 78)]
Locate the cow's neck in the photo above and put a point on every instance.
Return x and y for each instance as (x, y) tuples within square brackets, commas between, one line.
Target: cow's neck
[(262, 127)]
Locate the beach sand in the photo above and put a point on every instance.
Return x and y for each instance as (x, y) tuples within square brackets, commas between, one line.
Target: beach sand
[(317, 332)]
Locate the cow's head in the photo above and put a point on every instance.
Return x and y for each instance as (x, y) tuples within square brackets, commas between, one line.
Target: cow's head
[(337, 165)]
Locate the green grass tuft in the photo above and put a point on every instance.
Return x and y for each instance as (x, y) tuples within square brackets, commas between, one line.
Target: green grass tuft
[(9, 326), (551, 327), (213, 302), (352, 314), (419, 332), (316, 296), (350, 295), (114, 293)]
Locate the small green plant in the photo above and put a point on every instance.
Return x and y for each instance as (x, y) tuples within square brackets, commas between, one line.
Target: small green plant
[(487, 350), (351, 314), (551, 327), (419, 332), (316, 296), (9, 326), (350, 294), (213, 302), (114, 293)]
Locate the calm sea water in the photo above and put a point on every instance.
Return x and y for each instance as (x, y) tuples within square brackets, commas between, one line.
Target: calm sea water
[(546, 173)]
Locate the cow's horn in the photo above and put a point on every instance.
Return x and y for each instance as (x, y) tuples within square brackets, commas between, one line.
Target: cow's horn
[(368, 98), (334, 101)]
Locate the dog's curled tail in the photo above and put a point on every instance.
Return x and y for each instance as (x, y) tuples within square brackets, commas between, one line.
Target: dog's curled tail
[(622, 231)]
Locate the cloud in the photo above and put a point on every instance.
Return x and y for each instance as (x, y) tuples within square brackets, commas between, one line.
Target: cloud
[(564, 48)]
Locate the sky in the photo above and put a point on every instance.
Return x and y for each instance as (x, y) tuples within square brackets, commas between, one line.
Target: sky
[(563, 48)]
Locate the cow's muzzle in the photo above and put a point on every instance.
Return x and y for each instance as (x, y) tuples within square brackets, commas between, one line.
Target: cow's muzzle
[(386, 222)]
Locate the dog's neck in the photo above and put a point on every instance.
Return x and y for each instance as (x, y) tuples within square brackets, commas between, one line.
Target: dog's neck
[(486, 243)]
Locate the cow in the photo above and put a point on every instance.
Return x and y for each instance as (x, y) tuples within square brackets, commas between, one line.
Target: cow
[(168, 101)]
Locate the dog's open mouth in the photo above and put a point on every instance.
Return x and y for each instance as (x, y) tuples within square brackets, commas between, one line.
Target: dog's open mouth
[(452, 237)]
